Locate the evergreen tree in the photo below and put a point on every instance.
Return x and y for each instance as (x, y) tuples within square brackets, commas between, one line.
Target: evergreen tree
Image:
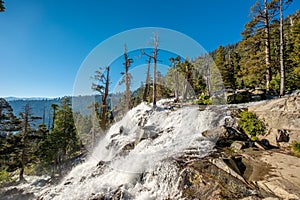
[(54, 107), (293, 53), (18, 148), (28, 140), (175, 64), (8, 121), (186, 68), (9, 125), (226, 67), (65, 129), (263, 15), (2, 8), (102, 86), (63, 142), (252, 68)]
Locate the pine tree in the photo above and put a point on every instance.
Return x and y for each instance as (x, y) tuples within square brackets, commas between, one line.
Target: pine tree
[(63, 139), (175, 64), (22, 145), (263, 15), (102, 86), (9, 125), (54, 108), (252, 68), (226, 67), (8, 121), (2, 8), (294, 53), (186, 68)]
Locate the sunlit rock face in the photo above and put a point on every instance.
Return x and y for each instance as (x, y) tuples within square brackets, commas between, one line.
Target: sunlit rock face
[(282, 117)]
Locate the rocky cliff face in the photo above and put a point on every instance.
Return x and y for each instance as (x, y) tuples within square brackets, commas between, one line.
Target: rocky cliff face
[(282, 117)]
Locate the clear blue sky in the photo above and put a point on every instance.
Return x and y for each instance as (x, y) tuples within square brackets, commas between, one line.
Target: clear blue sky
[(43, 43)]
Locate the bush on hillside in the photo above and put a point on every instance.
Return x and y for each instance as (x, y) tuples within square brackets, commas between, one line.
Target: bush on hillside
[(250, 124)]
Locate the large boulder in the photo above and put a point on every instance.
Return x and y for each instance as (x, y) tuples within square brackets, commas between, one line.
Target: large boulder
[(224, 136), (282, 117)]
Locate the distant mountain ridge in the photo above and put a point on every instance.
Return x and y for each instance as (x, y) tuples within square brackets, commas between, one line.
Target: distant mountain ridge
[(41, 107), (27, 98)]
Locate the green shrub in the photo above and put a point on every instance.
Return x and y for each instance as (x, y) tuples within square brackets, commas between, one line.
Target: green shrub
[(296, 147), (204, 100), (4, 176), (250, 124), (254, 138)]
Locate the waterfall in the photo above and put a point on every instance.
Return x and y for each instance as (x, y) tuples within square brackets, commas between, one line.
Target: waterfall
[(137, 157)]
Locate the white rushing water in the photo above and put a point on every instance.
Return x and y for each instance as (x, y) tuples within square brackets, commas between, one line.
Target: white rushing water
[(137, 156)]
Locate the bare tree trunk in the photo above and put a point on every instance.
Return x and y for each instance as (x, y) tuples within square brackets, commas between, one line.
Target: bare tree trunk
[(21, 175), (208, 80), (185, 83), (104, 101), (147, 85), (267, 46), (127, 91), (54, 106), (154, 69), (282, 68), (23, 155), (176, 85)]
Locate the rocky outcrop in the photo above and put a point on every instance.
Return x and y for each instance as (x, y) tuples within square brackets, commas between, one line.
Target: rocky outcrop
[(245, 95), (221, 177), (224, 135), (282, 118), (250, 175), (284, 175)]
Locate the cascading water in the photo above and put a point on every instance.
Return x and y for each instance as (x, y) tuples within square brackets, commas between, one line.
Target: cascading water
[(136, 159)]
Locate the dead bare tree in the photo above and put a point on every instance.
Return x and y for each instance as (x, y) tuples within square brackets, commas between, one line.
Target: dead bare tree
[(127, 63), (154, 57), (147, 84)]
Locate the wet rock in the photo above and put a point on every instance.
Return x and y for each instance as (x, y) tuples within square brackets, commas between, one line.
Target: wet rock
[(41, 182), (97, 197), (121, 129), (127, 148), (148, 132), (101, 163), (117, 194), (68, 183)]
